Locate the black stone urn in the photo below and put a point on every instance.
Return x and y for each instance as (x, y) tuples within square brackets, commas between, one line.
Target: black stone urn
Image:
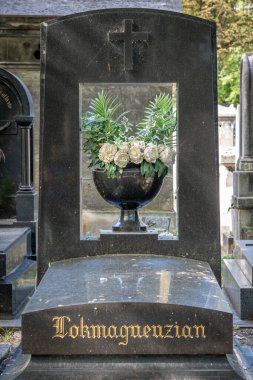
[(129, 191)]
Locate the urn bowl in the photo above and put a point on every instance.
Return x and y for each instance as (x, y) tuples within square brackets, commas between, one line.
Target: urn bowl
[(128, 191)]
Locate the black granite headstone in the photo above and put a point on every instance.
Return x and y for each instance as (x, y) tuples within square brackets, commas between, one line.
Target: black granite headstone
[(173, 48), (145, 296)]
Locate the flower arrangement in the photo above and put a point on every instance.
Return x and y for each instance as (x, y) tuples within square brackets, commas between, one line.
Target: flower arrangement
[(108, 142)]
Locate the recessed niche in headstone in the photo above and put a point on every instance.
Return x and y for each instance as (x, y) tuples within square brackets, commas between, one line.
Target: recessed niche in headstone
[(161, 213)]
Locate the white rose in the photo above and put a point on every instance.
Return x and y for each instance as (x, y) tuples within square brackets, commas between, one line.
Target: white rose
[(121, 159), (151, 153), (167, 156), (107, 152), (139, 144), (124, 147), (136, 155), (161, 148)]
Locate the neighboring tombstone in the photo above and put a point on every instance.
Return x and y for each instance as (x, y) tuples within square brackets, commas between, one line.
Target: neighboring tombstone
[(16, 131), (17, 272), (15, 99), (227, 149), (238, 279), (137, 290), (242, 202)]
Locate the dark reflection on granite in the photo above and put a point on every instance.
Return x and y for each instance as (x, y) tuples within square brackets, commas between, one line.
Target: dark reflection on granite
[(129, 278)]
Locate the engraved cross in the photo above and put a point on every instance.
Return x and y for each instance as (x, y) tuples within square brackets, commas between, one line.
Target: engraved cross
[(128, 37)]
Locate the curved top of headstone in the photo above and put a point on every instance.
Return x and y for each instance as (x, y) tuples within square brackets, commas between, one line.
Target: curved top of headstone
[(77, 51), (65, 7), (15, 99)]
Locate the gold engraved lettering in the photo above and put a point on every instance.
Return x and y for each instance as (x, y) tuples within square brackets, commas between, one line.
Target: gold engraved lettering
[(176, 327), (112, 334), (202, 329), (136, 328), (123, 333), (84, 329), (146, 330), (97, 331), (60, 326), (74, 331), (63, 327), (186, 332), (158, 334), (168, 331)]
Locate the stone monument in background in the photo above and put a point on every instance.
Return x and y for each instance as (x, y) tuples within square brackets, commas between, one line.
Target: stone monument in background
[(238, 279), (18, 236), (242, 202)]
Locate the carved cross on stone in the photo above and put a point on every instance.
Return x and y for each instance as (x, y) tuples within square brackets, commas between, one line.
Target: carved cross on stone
[(128, 37)]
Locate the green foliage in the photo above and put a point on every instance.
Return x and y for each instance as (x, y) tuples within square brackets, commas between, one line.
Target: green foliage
[(111, 170), (148, 169), (160, 168), (159, 122), (234, 19), (99, 125), (229, 76)]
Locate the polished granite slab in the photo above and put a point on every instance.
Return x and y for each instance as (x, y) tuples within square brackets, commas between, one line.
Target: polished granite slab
[(127, 304)]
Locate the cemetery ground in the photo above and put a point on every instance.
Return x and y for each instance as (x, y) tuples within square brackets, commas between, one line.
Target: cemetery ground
[(10, 340)]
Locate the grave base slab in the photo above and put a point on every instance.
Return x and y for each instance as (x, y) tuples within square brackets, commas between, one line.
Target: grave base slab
[(130, 367), (127, 305)]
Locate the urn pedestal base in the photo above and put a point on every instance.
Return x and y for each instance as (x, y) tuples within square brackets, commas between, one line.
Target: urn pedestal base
[(129, 221)]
